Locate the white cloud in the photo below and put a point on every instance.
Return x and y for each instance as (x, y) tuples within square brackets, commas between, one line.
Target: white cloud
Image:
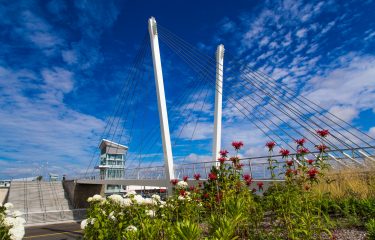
[(372, 132), (301, 32), (69, 56), (352, 86), (40, 131)]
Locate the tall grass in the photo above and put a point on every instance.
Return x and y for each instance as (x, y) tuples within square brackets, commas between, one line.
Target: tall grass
[(350, 182)]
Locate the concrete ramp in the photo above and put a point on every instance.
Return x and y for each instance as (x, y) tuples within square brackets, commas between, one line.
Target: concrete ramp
[(43, 202)]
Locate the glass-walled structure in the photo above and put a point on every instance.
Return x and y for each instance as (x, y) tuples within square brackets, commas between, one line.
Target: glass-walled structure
[(112, 163)]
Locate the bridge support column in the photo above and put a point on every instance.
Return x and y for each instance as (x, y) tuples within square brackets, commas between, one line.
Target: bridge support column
[(162, 107), (216, 142)]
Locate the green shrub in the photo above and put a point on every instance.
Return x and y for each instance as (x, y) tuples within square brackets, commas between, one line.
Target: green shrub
[(370, 226)]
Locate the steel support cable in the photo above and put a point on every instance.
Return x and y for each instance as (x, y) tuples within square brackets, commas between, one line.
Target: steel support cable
[(186, 120), (131, 78), (196, 123), (176, 125), (131, 104), (295, 112), (147, 90), (192, 92), (247, 67), (308, 120), (246, 116), (132, 91), (192, 65), (301, 115), (304, 99), (313, 135), (273, 115), (139, 75), (185, 95), (115, 111), (286, 133), (289, 115), (265, 86)]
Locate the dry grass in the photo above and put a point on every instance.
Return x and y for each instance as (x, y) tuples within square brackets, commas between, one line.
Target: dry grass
[(350, 182)]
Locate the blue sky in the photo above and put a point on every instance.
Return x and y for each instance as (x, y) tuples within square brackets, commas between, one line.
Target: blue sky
[(63, 63)]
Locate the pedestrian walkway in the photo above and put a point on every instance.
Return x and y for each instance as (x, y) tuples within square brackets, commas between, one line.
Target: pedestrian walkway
[(66, 231)]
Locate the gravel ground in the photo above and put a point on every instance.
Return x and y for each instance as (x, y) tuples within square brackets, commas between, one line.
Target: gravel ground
[(349, 234)]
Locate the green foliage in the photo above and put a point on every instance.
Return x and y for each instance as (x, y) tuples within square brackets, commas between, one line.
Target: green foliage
[(187, 230), (225, 208), (4, 230), (370, 226)]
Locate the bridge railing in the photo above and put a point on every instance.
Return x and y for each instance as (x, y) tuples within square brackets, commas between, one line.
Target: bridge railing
[(257, 167)]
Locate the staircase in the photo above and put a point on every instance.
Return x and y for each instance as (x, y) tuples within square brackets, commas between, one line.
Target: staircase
[(42, 202)]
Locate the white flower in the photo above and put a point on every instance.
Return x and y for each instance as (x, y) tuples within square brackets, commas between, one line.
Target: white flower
[(8, 205), (116, 198), (131, 228), (126, 202), (9, 221), (182, 185), (156, 197), (20, 221), (112, 217), (83, 224), (89, 199), (138, 198), (130, 194), (150, 213), (17, 233), (97, 197), (149, 201), (17, 213), (182, 198)]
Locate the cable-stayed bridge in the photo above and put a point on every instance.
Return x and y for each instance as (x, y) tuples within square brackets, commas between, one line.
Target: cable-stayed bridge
[(246, 98)]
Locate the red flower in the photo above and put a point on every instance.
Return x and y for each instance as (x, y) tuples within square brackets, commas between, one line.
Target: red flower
[(321, 148), (260, 185), (205, 195), (185, 178), (246, 177), (182, 192), (239, 166), (174, 181), (310, 161), (289, 172), (191, 188), (284, 152), (212, 176), (323, 132), (222, 160), (200, 184), (301, 141), (235, 160), (223, 153), (270, 145), (162, 190), (197, 176), (303, 151), (237, 145), (289, 163), (312, 172)]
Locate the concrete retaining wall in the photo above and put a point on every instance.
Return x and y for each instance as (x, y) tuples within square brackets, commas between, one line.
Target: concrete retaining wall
[(78, 193), (3, 195)]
